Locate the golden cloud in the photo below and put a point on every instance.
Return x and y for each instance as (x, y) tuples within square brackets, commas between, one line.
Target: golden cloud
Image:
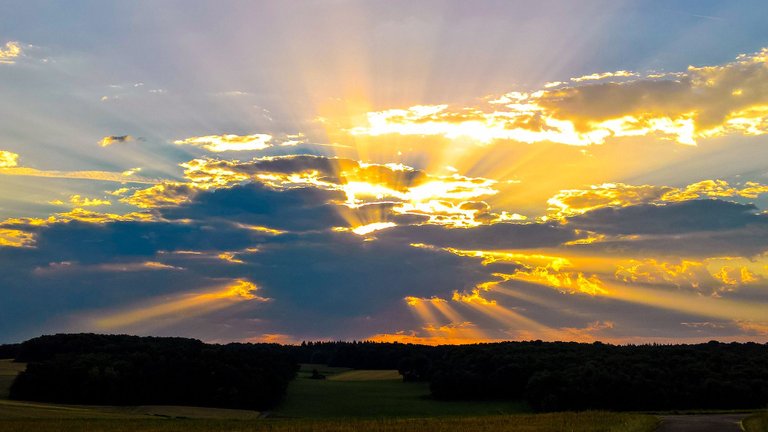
[(80, 201), (573, 202), (8, 159), (115, 139), (161, 195), (80, 175), (9, 54), (699, 103), (16, 238), (711, 275), (452, 200), (82, 215), (221, 143), (604, 75), (551, 271), (453, 334)]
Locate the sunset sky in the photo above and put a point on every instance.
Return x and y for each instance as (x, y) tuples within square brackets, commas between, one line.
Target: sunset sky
[(428, 172)]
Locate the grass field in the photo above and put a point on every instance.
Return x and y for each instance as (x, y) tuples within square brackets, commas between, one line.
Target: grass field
[(757, 422), (372, 394), (8, 371), (347, 401), (367, 375), (559, 422)]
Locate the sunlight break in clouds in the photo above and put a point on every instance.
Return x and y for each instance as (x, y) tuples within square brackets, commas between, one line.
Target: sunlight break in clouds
[(9, 54), (163, 311), (700, 103), (579, 201), (115, 139), (222, 143), (8, 159)]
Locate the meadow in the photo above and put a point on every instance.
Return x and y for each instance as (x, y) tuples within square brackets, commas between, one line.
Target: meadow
[(757, 422), (347, 400)]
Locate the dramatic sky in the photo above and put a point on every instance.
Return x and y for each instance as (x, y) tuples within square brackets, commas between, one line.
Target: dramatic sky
[(432, 172)]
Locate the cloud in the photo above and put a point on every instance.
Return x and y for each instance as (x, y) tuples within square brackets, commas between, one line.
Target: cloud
[(711, 276), (221, 143), (604, 75), (8, 159), (699, 103), (161, 195), (16, 238), (498, 236), (81, 201), (362, 193), (9, 166), (572, 202), (115, 139), (9, 54), (56, 268), (673, 218)]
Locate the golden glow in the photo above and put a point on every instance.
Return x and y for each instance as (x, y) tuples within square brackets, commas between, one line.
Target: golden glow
[(460, 333), (551, 271), (115, 139), (573, 202), (164, 311), (8, 159), (221, 143), (82, 215), (708, 306), (452, 200), (83, 175), (16, 238), (230, 257), (161, 195), (367, 229), (80, 201), (604, 75), (9, 54), (709, 101)]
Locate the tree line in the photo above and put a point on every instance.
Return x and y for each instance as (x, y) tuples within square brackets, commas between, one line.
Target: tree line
[(550, 376), (554, 376), (132, 370)]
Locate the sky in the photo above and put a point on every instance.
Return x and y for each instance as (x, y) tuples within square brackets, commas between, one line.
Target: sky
[(426, 172)]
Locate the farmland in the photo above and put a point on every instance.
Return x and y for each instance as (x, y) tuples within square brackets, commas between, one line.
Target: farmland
[(377, 402)]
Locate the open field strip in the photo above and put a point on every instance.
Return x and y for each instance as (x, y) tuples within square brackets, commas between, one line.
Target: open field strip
[(556, 422), (367, 375)]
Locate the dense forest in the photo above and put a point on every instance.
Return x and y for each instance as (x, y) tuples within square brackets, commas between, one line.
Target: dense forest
[(555, 376), (550, 376), (132, 370)]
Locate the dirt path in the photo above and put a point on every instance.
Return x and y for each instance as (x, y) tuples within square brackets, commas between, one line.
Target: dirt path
[(701, 423)]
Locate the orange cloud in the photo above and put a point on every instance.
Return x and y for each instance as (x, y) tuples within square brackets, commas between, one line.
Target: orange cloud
[(701, 102), (573, 202), (221, 143), (16, 238)]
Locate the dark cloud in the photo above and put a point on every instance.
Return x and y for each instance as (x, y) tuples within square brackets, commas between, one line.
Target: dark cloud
[(673, 218), (484, 237)]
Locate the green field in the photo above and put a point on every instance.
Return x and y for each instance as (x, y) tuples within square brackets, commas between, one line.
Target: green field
[(375, 401), (367, 375), (8, 371), (757, 422), (345, 393), (559, 422)]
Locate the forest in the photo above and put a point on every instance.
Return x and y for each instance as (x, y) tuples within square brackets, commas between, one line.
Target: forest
[(549, 376), (132, 370), (556, 376)]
